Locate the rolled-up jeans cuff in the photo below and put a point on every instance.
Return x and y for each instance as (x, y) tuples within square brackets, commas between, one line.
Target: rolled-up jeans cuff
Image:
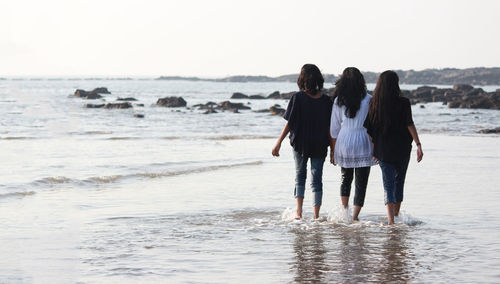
[(299, 191), (317, 197)]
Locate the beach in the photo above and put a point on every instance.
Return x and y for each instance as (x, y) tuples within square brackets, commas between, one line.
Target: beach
[(100, 196)]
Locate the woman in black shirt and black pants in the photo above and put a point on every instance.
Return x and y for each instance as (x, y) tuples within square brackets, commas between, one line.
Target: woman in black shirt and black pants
[(390, 125)]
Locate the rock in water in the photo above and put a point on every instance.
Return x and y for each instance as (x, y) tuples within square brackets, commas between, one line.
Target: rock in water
[(239, 96), (171, 102), (118, 105), (274, 95), (129, 99), (227, 105), (256, 97), (490, 131), (462, 87), (87, 95), (277, 110), (94, 106), (92, 95)]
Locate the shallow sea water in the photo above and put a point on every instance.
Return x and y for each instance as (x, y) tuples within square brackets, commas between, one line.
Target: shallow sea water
[(95, 196)]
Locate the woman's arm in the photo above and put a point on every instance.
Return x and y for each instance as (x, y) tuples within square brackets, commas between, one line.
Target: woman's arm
[(332, 149), (414, 135), (335, 125), (277, 146)]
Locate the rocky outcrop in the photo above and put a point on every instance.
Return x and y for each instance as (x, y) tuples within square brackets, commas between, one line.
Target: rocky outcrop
[(208, 105), (109, 105), (256, 97), (274, 95), (227, 105), (93, 105), (277, 110), (118, 105), (446, 76), (239, 96), (490, 131), (91, 95), (129, 99), (171, 102), (243, 96), (460, 96)]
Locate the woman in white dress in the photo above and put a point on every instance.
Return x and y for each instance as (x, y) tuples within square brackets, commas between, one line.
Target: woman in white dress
[(353, 150)]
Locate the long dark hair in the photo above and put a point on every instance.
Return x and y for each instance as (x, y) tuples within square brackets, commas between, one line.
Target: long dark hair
[(310, 79), (350, 90), (385, 98)]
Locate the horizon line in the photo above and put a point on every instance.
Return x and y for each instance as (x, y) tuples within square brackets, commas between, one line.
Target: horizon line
[(209, 77)]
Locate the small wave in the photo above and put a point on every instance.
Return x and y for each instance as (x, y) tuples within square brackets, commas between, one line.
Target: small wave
[(239, 137), (54, 180), (92, 132), (17, 194), (17, 138), (103, 179), (198, 170), (123, 138), (339, 216), (115, 178)]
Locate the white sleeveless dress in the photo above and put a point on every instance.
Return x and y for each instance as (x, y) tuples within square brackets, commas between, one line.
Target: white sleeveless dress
[(353, 148)]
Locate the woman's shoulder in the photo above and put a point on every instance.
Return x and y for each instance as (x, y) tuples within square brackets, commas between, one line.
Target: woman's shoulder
[(404, 100), (328, 100), (298, 95)]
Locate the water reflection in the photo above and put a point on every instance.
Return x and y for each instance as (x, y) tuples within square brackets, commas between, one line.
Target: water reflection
[(396, 258), (352, 255), (310, 256)]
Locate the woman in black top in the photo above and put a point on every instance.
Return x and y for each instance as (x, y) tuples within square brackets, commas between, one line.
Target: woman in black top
[(308, 121), (390, 125)]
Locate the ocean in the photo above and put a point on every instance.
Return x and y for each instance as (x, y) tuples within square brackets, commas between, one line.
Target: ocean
[(101, 196)]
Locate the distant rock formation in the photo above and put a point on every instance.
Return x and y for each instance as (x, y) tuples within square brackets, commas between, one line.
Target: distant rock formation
[(109, 105), (91, 95), (234, 107), (239, 96), (460, 96), (118, 105), (446, 76), (277, 110), (129, 99), (490, 131), (171, 102)]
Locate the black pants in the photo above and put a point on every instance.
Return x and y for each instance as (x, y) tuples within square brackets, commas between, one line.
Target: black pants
[(360, 183)]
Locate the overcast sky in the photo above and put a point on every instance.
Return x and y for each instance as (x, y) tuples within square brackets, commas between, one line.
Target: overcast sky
[(218, 38)]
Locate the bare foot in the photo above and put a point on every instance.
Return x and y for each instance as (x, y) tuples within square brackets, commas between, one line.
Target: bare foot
[(299, 215)]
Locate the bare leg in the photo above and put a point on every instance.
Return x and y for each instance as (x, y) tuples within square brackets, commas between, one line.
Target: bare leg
[(397, 206), (345, 201), (390, 213), (316, 212), (300, 201), (356, 213)]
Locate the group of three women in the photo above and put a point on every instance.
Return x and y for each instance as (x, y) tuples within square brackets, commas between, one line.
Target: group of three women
[(361, 131)]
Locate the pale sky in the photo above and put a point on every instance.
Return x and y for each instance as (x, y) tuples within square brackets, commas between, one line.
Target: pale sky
[(214, 38)]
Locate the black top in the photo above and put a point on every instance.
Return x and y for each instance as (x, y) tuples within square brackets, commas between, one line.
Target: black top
[(395, 145), (309, 122)]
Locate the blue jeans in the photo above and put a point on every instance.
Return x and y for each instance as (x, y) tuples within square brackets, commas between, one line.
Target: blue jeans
[(393, 175), (301, 174)]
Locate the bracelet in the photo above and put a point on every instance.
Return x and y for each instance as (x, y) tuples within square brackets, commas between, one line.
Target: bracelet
[(418, 144)]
